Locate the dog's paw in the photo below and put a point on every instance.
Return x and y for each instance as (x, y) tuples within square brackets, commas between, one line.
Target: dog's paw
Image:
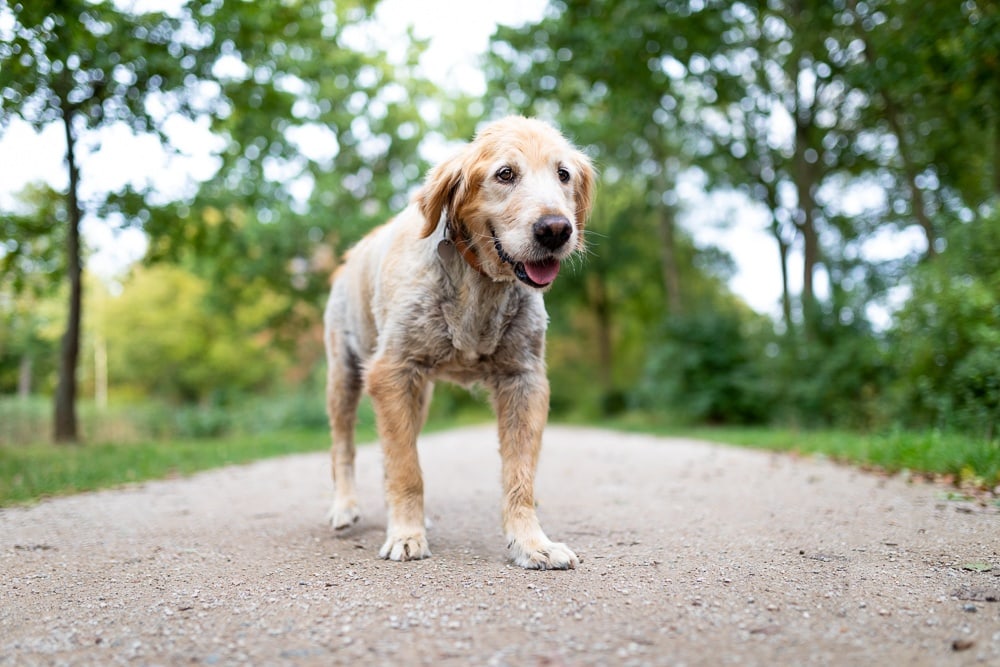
[(405, 546), (543, 555), (343, 515)]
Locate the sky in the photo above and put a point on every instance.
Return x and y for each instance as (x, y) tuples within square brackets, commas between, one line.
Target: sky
[(459, 33)]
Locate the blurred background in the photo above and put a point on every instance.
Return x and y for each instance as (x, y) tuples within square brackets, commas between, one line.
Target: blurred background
[(797, 221)]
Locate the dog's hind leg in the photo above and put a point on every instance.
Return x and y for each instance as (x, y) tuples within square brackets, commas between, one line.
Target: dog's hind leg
[(400, 395), (343, 393)]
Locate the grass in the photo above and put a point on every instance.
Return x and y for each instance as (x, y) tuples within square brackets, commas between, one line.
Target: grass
[(964, 459), (29, 472), (35, 471), (32, 471)]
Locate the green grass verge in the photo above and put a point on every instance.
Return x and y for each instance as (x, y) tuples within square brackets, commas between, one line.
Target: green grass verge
[(967, 459), (29, 472), (32, 471)]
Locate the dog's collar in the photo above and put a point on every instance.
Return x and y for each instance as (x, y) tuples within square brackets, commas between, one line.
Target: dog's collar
[(461, 244)]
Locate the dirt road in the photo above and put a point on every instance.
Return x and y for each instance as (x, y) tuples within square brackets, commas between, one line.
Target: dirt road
[(692, 554)]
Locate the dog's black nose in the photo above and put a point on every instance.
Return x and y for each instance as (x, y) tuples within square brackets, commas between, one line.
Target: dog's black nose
[(552, 231)]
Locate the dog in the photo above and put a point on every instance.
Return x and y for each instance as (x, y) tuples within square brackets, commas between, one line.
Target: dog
[(451, 289)]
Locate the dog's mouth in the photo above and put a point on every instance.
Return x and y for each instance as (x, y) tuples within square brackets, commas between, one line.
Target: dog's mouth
[(532, 273)]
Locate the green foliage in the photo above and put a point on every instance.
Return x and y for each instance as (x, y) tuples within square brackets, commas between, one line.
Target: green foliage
[(320, 144), (93, 62), (838, 381), (797, 106), (313, 143), (937, 78), (725, 366), (32, 242), (707, 366), (946, 339), (30, 259), (164, 338), (32, 264)]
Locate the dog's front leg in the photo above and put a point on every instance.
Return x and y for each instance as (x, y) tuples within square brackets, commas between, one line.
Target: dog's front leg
[(398, 395), (522, 405)]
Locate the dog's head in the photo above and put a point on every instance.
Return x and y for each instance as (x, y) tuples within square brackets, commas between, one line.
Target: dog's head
[(519, 195)]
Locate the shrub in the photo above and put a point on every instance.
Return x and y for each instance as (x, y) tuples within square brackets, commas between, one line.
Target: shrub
[(709, 369)]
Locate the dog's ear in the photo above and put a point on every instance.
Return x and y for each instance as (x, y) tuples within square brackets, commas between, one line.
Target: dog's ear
[(584, 190), (440, 191)]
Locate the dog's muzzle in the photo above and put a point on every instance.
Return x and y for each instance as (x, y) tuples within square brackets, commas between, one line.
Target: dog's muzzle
[(551, 232)]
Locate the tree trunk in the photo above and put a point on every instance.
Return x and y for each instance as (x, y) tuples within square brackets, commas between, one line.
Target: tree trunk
[(892, 116), (805, 172), (24, 376), (668, 260), (805, 222), (786, 296), (810, 259), (65, 428), (602, 315), (783, 249), (917, 202)]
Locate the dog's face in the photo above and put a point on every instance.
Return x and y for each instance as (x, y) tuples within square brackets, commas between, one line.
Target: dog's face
[(520, 194)]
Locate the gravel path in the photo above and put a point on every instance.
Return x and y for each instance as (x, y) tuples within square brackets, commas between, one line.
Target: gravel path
[(692, 554)]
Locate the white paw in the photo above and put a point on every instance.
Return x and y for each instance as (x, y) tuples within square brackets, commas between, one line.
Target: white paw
[(405, 545), (542, 554), (342, 515)]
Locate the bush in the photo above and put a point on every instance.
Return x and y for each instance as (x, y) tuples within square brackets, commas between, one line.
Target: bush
[(976, 386), (836, 380), (946, 339), (709, 369)]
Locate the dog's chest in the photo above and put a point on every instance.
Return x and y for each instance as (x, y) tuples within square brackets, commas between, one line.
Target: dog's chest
[(477, 323)]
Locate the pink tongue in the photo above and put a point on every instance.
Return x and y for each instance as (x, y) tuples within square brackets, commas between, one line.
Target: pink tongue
[(542, 273)]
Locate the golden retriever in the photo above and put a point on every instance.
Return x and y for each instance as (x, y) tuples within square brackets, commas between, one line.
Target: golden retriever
[(451, 289)]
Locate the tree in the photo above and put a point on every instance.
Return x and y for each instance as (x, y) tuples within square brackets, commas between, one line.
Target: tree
[(86, 66), (933, 76), (602, 68), (30, 255), (271, 80), (842, 119), (660, 87), (320, 144)]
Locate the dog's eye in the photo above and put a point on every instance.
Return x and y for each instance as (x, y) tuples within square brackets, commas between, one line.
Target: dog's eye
[(563, 174), (505, 174)]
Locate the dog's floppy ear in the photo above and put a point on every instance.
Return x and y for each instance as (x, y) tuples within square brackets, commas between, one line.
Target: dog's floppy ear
[(440, 191), (584, 190)]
